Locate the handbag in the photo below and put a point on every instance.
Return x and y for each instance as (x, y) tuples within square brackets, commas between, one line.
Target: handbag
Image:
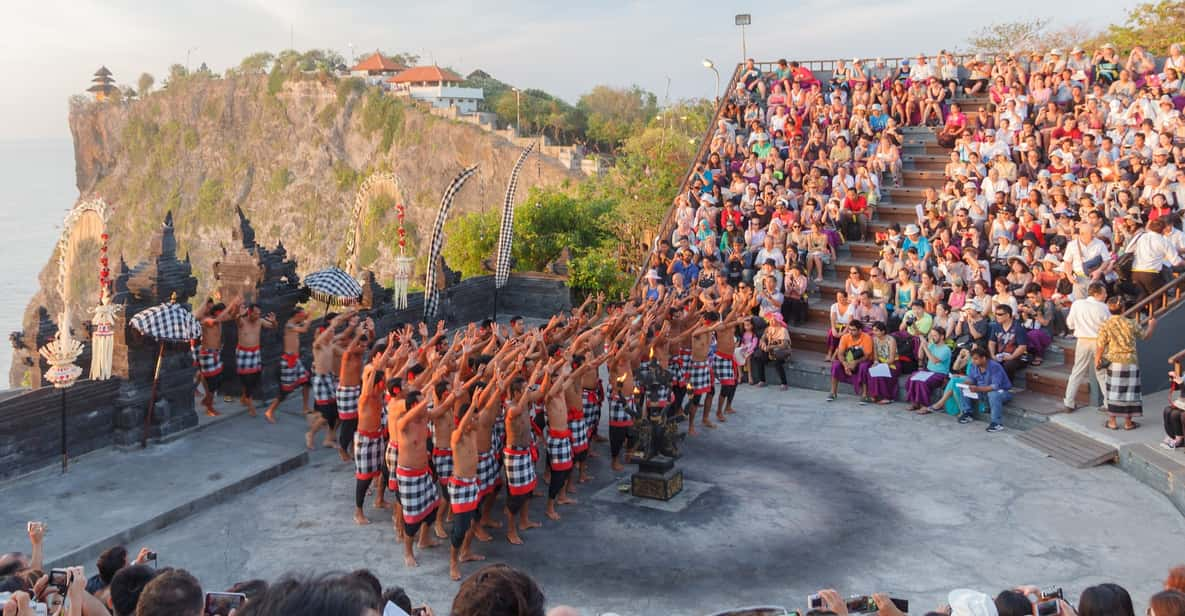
[(780, 351)]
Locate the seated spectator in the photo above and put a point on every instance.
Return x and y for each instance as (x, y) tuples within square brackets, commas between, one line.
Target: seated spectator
[(1037, 316), (1007, 340), (852, 357), (772, 350), (920, 387), (881, 389), (840, 314), (986, 380)]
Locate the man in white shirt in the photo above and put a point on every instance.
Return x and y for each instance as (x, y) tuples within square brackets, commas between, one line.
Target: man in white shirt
[(990, 148), (1085, 252), (1086, 316), (1153, 252), (921, 70)]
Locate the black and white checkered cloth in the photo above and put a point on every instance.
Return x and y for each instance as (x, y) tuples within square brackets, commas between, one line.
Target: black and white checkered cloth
[(724, 369), (442, 463), (292, 372), (506, 232), (209, 361), (391, 459), (489, 468), (368, 454), (463, 494), (619, 412), (248, 360), (559, 449), (417, 493), (579, 427), (699, 376), (520, 470), (168, 322), (431, 292), (333, 286), (591, 401), (324, 389), (347, 401), (1123, 384)]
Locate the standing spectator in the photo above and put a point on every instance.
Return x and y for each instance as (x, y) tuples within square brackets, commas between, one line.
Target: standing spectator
[(1116, 354), (1086, 316), (1086, 259), (986, 378), (1151, 252)]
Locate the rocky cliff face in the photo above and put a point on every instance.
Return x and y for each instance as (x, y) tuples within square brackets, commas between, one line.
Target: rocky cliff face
[(292, 154)]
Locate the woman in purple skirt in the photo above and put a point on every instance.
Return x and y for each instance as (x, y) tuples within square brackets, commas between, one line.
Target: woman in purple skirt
[(919, 391), (881, 389)]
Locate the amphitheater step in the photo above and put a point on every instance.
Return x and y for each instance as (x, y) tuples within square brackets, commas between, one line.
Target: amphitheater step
[(913, 148), (1052, 380), (893, 212), (925, 162), (923, 178), (1069, 446)]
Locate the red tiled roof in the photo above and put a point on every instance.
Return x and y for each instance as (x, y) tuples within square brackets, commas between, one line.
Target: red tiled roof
[(425, 73), (376, 62)]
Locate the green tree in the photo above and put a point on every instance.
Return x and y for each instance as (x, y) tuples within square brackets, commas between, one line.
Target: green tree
[(1153, 25), (177, 74), (405, 58), (257, 63), (145, 84), (616, 113), (550, 220), (598, 270), (471, 238), (1011, 36)]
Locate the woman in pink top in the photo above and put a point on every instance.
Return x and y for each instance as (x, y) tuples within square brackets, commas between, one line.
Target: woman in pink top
[(956, 125)]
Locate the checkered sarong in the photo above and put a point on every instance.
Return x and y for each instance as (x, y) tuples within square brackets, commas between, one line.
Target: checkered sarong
[(619, 416), (442, 463), (347, 401), (559, 449), (391, 459), (417, 493), (699, 377), (463, 494), (248, 360), (324, 386), (292, 372), (591, 402), (724, 368), (368, 454), (579, 428), (520, 470), (1123, 384), (498, 432), (488, 471), (209, 361), (676, 367)]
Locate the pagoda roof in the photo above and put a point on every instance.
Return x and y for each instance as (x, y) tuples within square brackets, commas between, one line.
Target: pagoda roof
[(102, 72), (426, 73), (377, 62)]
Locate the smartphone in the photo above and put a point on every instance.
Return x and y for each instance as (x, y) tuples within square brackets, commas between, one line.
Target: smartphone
[(221, 603), (1047, 608), (861, 604), (59, 579), (1051, 593), (814, 602)]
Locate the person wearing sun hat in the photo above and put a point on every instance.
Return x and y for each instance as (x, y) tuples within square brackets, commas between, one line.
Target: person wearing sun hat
[(914, 239)]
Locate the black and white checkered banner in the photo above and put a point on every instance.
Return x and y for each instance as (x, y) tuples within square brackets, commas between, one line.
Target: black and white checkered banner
[(506, 233), (167, 322), (333, 286), (431, 293)]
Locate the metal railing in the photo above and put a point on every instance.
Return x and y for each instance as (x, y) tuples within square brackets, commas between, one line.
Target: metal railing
[(1166, 297), (701, 155)]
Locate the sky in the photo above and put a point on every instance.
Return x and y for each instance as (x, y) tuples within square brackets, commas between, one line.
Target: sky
[(52, 47)]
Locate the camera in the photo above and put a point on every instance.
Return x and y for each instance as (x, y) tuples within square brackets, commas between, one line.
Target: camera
[(221, 603), (1047, 608), (1050, 593), (150, 556), (60, 580)]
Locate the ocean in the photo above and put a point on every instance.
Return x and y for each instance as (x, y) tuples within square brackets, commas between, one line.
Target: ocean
[(36, 190)]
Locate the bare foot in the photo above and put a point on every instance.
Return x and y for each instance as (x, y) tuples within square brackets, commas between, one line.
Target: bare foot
[(427, 541), (360, 519), (381, 504), (691, 430), (440, 534), (592, 453), (553, 515), (344, 456), (329, 443), (564, 500), (210, 412), (308, 441), (270, 416), (481, 534), (469, 557), (617, 466), (513, 538), (708, 424), (454, 572), (528, 524), (491, 523), (721, 418), (410, 561), (586, 478)]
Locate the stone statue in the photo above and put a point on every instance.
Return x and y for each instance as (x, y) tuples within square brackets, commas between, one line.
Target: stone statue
[(657, 430)]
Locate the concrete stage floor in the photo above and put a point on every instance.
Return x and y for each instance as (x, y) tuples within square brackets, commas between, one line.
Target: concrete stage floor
[(798, 494)]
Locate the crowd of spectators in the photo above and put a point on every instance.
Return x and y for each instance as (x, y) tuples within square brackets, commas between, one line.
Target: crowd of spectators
[(1064, 171), (123, 588)]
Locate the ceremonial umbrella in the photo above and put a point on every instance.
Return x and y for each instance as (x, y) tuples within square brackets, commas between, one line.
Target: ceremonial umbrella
[(333, 286), (168, 322)]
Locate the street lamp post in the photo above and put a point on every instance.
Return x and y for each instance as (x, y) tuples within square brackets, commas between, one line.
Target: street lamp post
[(708, 64), (187, 52), (742, 20), (518, 115)]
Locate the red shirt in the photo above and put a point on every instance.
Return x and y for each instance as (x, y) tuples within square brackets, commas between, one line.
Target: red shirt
[(857, 205), (1060, 133)]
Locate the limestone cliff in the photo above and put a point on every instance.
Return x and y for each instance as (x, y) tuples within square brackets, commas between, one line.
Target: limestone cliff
[(292, 154)]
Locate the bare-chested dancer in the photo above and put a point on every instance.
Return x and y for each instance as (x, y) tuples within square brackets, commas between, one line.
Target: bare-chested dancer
[(699, 371), (724, 364), (292, 371), (349, 386), (518, 456), (248, 354), (489, 459), (327, 348), (212, 315), (464, 488)]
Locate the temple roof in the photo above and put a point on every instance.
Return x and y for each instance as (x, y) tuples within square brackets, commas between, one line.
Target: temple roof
[(377, 62), (426, 73)]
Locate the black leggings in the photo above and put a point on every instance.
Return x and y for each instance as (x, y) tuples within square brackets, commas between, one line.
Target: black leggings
[(558, 479), (1174, 422), (728, 392), (414, 527), (680, 392), (362, 485), (461, 524), (515, 503), (761, 360), (617, 437), (329, 412), (345, 437)]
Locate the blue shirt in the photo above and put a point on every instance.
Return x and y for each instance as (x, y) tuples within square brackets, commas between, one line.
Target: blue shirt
[(922, 246), (942, 352), (878, 122), (689, 271), (994, 375), (1007, 340)]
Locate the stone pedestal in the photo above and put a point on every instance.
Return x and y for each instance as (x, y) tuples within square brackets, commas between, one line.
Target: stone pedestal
[(161, 277), (657, 478)]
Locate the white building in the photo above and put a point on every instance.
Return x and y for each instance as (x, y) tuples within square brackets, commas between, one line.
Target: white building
[(439, 87)]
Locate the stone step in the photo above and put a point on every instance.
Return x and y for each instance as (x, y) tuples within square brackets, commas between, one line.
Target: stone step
[(894, 212), (917, 148), (811, 336), (924, 178), (1051, 381), (866, 251), (904, 194)]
